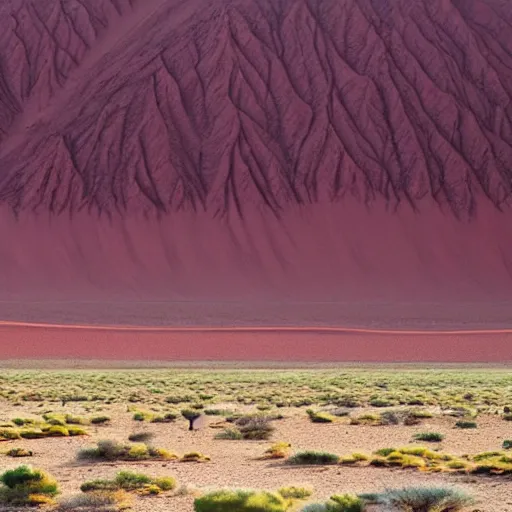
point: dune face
(314, 150)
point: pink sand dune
(255, 150)
(314, 344)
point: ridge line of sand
(320, 329)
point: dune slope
(333, 150)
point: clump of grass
(19, 452)
(295, 493)
(429, 437)
(100, 420)
(256, 428)
(168, 417)
(97, 501)
(110, 450)
(279, 450)
(9, 434)
(366, 419)
(355, 458)
(194, 457)
(507, 444)
(337, 503)
(130, 481)
(466, 424)
(313, 458)
(241, 501)
(422, 499)
(319, 417)
(380, 402)
(141, 437)
(507, 417)
(27, 486)
(218, 412)
(232, 434)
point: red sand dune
(306, 150)
(291, 344)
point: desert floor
(235, 464)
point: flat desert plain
(367, 409)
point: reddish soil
(252, 344)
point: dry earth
(233, 462)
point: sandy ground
(25, 341)
(233, 462)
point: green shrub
(110, 450)
(230, 433)
(33, 434)
(389, 418)
(240, 501)
(295, 493)
(429, 437)
(258, 428)
(507, 417)
(277, 451)
(194, 457)
(165, 483)
(57, 431)
(168, 417)
(380, 402)
(99, 485)
(466, 424)
(312, 457)
(337, 503)
(76, 431)
(100, 420)
(507, 444)
(347, 503)
(75, 420)
(19, 452)
(141, 437)
(27, 486)
(422, 499)
(129, 481)
(9, 434)
(319, 417)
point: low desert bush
(168, 417)
(27, 486)
(232, 434)
(141, 437)
(429, 437)
(9, 434)
(313, 458)
(258, 428)
(100, 420)
(129, 481)
(337, 503)
(279, 450)
(295, 493)
(241, 501)
(19, 452)
(466, 424)
(194, 457)
(97, 501)
(422, 499)
(507, 444)
(319, 417)
(110, 450)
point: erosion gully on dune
(290, 149)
